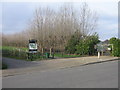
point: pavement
(101, 75)
(16, 67)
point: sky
(15, 16)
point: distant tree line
(67, 29)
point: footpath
(37, 66)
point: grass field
(12, 48)
(14, 52)
(22, 53)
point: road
(102, 75)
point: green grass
(12, 48)
(13, 52)
(66, 55)
(9, 51)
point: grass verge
(66, 55)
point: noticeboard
(33, 46)
(99, 48)
(102, 47)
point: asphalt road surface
(102, 75)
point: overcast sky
(16, 15)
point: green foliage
(82, 45)
(86, 45)
(13, 52)
(21, 53)
(74, 40)
(116, 46)
(82, 48)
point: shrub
(74, 40)
(116, 46)
(86, 45)
(82, 45)
(20, 53)
(14, 52)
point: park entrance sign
(33, 46)
(102, 47)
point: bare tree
(87, 20)
(53, 29)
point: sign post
(32, 48)
(99, 49)
(98, 54)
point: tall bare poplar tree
(53, 28)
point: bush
(116, 46)
(14, 52)
(82, 45)
(20, 53)
(74, 40)
(86, 45)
